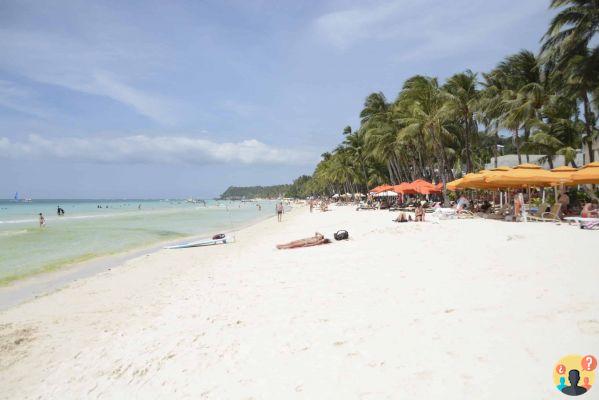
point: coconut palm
(462, 96)
(573, 26)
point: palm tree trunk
(495, 150)
(550, 161)
(444, 162)
(526, 136)
(516, 139)
(390, 171)
(467, 145)
(588, 125)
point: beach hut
(588, 174)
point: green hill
(252, 192)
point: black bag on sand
(341, 235)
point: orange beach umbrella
(405, 188)
(423, 187)
(381, 188)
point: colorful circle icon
(574, 375)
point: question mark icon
(560, 369)
(588, 363)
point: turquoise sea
(92, 228)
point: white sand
(468, 309)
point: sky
(163, 99)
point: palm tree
(424, 100)
(566, 43)
(574, 26)
(461, 101)
(582, 83)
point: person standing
(279, 211)
(564, 200)
(42, 221)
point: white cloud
(150, 149)
(422, 28)
(345, 27)
(20, 99)
(90, 68)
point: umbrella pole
(524, 216)
(543, 200)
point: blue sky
(175, 98)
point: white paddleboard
(203, 242)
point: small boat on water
(16, 199)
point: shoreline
(45, 281)
(455, 305)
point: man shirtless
(315, 240)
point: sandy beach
(454, 310)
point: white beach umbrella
(387, 193)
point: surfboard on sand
(216, 239)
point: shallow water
(87, 231)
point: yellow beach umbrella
(564, 174)
(524, 175)
(587, 174)
(479, 180)
(453, 185)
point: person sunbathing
(419, 214)
(315, 240)
(401, 218)
(589, 211)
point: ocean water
(87, 231)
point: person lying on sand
(401, 218)
(315, 240)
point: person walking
(279, 211)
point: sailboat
(18, 200)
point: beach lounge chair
(549, 216)
(584, 223)
(465, 214)
(537, 214)
(499, 213)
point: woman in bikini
(315, 240)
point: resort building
(511, 160)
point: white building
(511, 160)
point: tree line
(544, 103)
